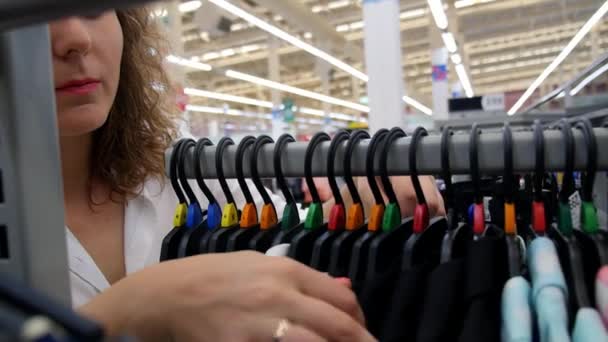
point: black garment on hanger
(443, 305)
(403, 318)
(486, 273)
(376, 294)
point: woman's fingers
(293, 333)
(325, 320)
(325, 288)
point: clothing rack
(32, 233)
(490, 156)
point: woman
(112, 136)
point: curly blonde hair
(129, 147)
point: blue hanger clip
(214, 216)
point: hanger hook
(419, 132)
(173, 171)
(376, 141)
(588, 178)
(314, 217)
(355, 138)
(589, 219)
(181, 170)
(478, 207)
(219, 164)
(198, 172)
(564, 216)
(394, 134)
(278, 171)
(507, 179)
(376, 213)
(568, 186)
(446, 172)
(255, 175)
(421, 213)
(539, 169)
(508, 182)
(312, 145)
(340, 137)
(245, 143)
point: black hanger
(567, 245)
(514, 242)
(589, 219)
(171, 241)
(592, 241)
(355, 226)
(249, 224)
(290, 222)
(424, 245)
(321, 250)
(230, 214)
(386, 248)
(269, 225)
(301, 245)
(214, 212)
(479, 224)
(190, 242)
(195, 213)
(458, 232)
(360, 253)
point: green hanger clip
(589, 220)
(564, 219)
(291, 217)
(391, 218)
(314, 218)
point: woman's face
(87, 53)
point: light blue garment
(516, 311)
(549, 291)
(589, 327)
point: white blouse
(148, 218)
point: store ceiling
(507, 43)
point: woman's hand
(230, 297)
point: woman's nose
(70, 37)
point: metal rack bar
(31, 215)
(429, 158)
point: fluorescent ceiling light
(424, 109)
(297, 91)
(227, 111)
(190, 6)
(441, 20)
(449, 41)
(588, 79)
(188, 63)
(227, 97)
(561, 95)
(561, 57)
(456, 59)
(415, 13)
(289, 38)
(464, 80)
(254, 102)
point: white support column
(173, 26)
(383, 57)
(323, 69)
(440, 76)
(274, 68)
(356, 91)
(274, 72)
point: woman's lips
(79, 87)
